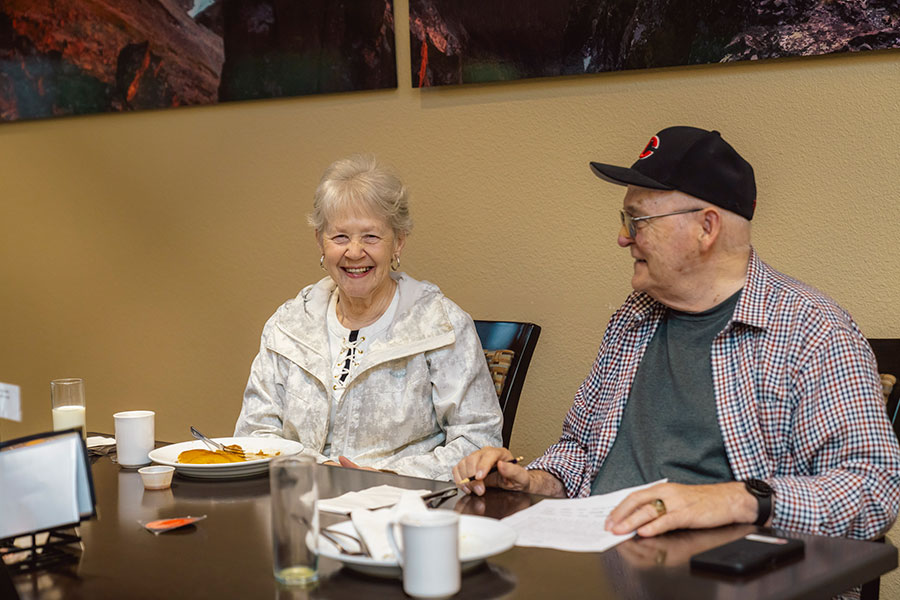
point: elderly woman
(368, 366)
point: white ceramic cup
(135, 433)
(430, 554)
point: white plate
(479, 538)
(168, 455)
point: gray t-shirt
(669, 427)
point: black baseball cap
(694, 161)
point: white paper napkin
(380, 496)
(372, 526)
(98, 440)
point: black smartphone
(751, 553)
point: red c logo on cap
(652, 145)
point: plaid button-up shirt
(798, 401)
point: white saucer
(479, 538)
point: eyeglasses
(628, 221)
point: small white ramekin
(157, 477)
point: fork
(330, 534)
(217, 445)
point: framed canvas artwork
(72, 57)
(453, 42)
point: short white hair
(359, 183)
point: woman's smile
(357, 272)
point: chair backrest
(887, 355)
(521, 338)
(7, 587)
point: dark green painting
(455, 41)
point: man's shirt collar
(750, 308)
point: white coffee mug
(135, 435)
(430, 554)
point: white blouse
(344, 353)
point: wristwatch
(763, 493)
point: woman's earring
(394, 267)
(322, 263)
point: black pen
(494, 468)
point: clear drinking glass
(67, 403)
(295, 519)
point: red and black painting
(72, 57)
(453, 41)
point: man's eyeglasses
(628, 221)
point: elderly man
(756, 396)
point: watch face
(758, 487)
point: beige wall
(145, 251)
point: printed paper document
(574, 524)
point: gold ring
(660, 507)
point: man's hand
(686, 507)
(477, 466)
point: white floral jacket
(420, 400)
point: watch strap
(763, 493)
(764, 510)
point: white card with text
(10, 402)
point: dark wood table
(228, 555)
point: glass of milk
(67, 399)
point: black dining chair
(520, 339)
(887, 355)
(7, 587)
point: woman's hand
(346, 462)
